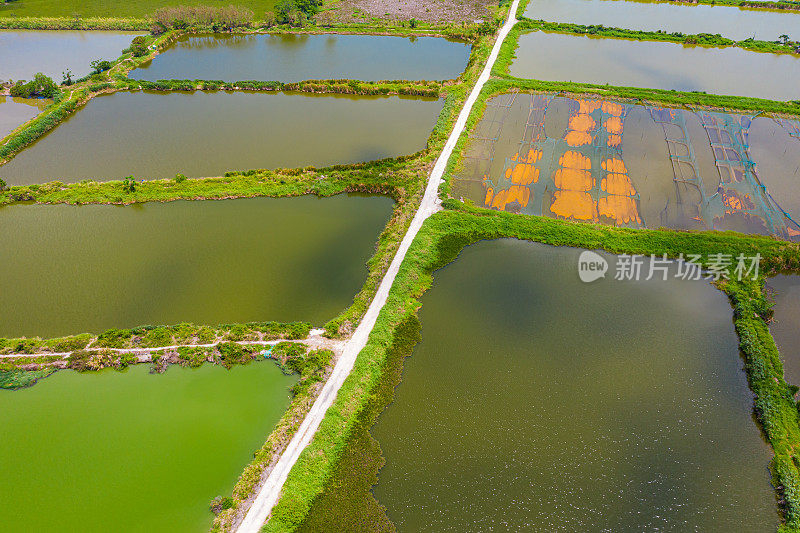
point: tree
(40, 87)
(100, 65)
(3, 185)
(784, 38)
(66, 77)
(295, 12)
(129, 184)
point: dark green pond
(657, 65)
(291, 57)
(785, 327)
(632, 165)
(536, 402)
(23, 53)
(16, 111)
(151, 135)
(730, 22)
(129, 451)
(90, 268)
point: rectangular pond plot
(785, 326)
(536, 402)
(151, 135)
(291, 58)
(146, 450)
(730, 22)
(630, 165)
(656, 65)
(23, 53)
(16, 111)
(74, 269)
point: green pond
(291, 57)
(89, 268)
(23, 53)
(130, 451)
(633, 165)
(15, 111)
(731, 22)
(785, 326)
(536, 402)
(151, 135)
(656, 65)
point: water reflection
(297, 57)
(634, 166)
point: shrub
(295, 12)
(40, 87)
(100, 65)
(129, 184)
(182, 17)
(180, 178)
(269, 19)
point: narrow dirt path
(269, 493)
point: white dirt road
(269, 493)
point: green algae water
(730, 22)
(89, 268)
(536, 402)
(291, 57)
(23, 53)
(785, 326)
(656, 65)
(129, 451)
(151, 135)
(16, 111)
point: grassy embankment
(701, 39)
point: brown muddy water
(156, 135)
(731, 22)
(657, 65)
(23, 53)
(293, 57)
(16, 111)
(635, 166)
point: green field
(115, 8)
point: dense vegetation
(40, 86)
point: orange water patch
(573, 159)
(612, 109)
(515, 193)
(614, 164)
(792, 232)
(582, 122)
(578, 138)
(589, 106)
(571, 179)
(524, 174)
(614, 140)
(613, 125)
(489, 195)
(573, 204)
(619, 184)
(620, 208)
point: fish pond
(130, 451)
(23, 53)
(656, 65)
(633, 165)
(731, 22)
(16, 111)
(785, 326)
(292, 57)
(88, 268)
(152, 135)
(537, 402)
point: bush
(296, 12)
(40, 87)
(269, 19)
(100, 65)
(183, 17)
